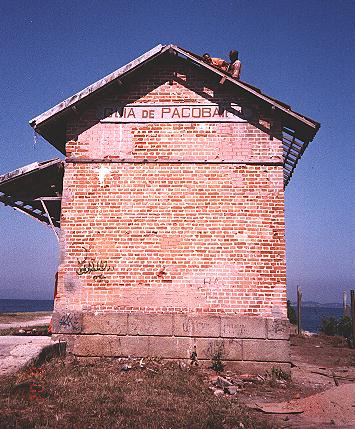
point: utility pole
(344, 303)
(346, 307)
(299, 301)
(352, 301)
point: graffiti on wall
(69, 321)
(97, 267)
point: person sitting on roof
(235, 65)
(216, 62)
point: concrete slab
(196, 326)
(278, 329)
(16, 351)
(108, 345)
(243, 327)
(150, 324)
(266, 350)
(105, 323)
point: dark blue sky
(301, 52)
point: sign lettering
(172, 113)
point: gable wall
(213, 141)
(172, 237)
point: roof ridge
(51, 123)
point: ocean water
(311, 316)
(25, 305)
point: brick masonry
(172, 234)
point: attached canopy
(297, 129)
(35, 190)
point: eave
(298, 130)
(35, 190)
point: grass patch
(66, 394)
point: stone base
(251, 344)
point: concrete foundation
(250, 344)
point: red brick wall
(173, 237)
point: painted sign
(131, 113)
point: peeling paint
(103, 171)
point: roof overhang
(298, 130)
(51, 124)
(35, 190)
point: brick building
(171, 212)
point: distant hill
(318, 304)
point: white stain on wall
(103, 171)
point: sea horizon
(12, 305)
(311, 316)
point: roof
(35, 190)
(298, 130)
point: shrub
(279, 374)
(216, 351)
(333, 326)
(217, 364)
(291, 314)
(329, 326)
(344, 327)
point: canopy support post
(50, 219)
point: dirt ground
(153, 394)
(119, 394)
(10, 318)
(322, 386)
(9, 322)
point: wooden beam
(48, 199)
(352, 303)
(169, 161)
(29, 211)
(299, 303)
(50, 219)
